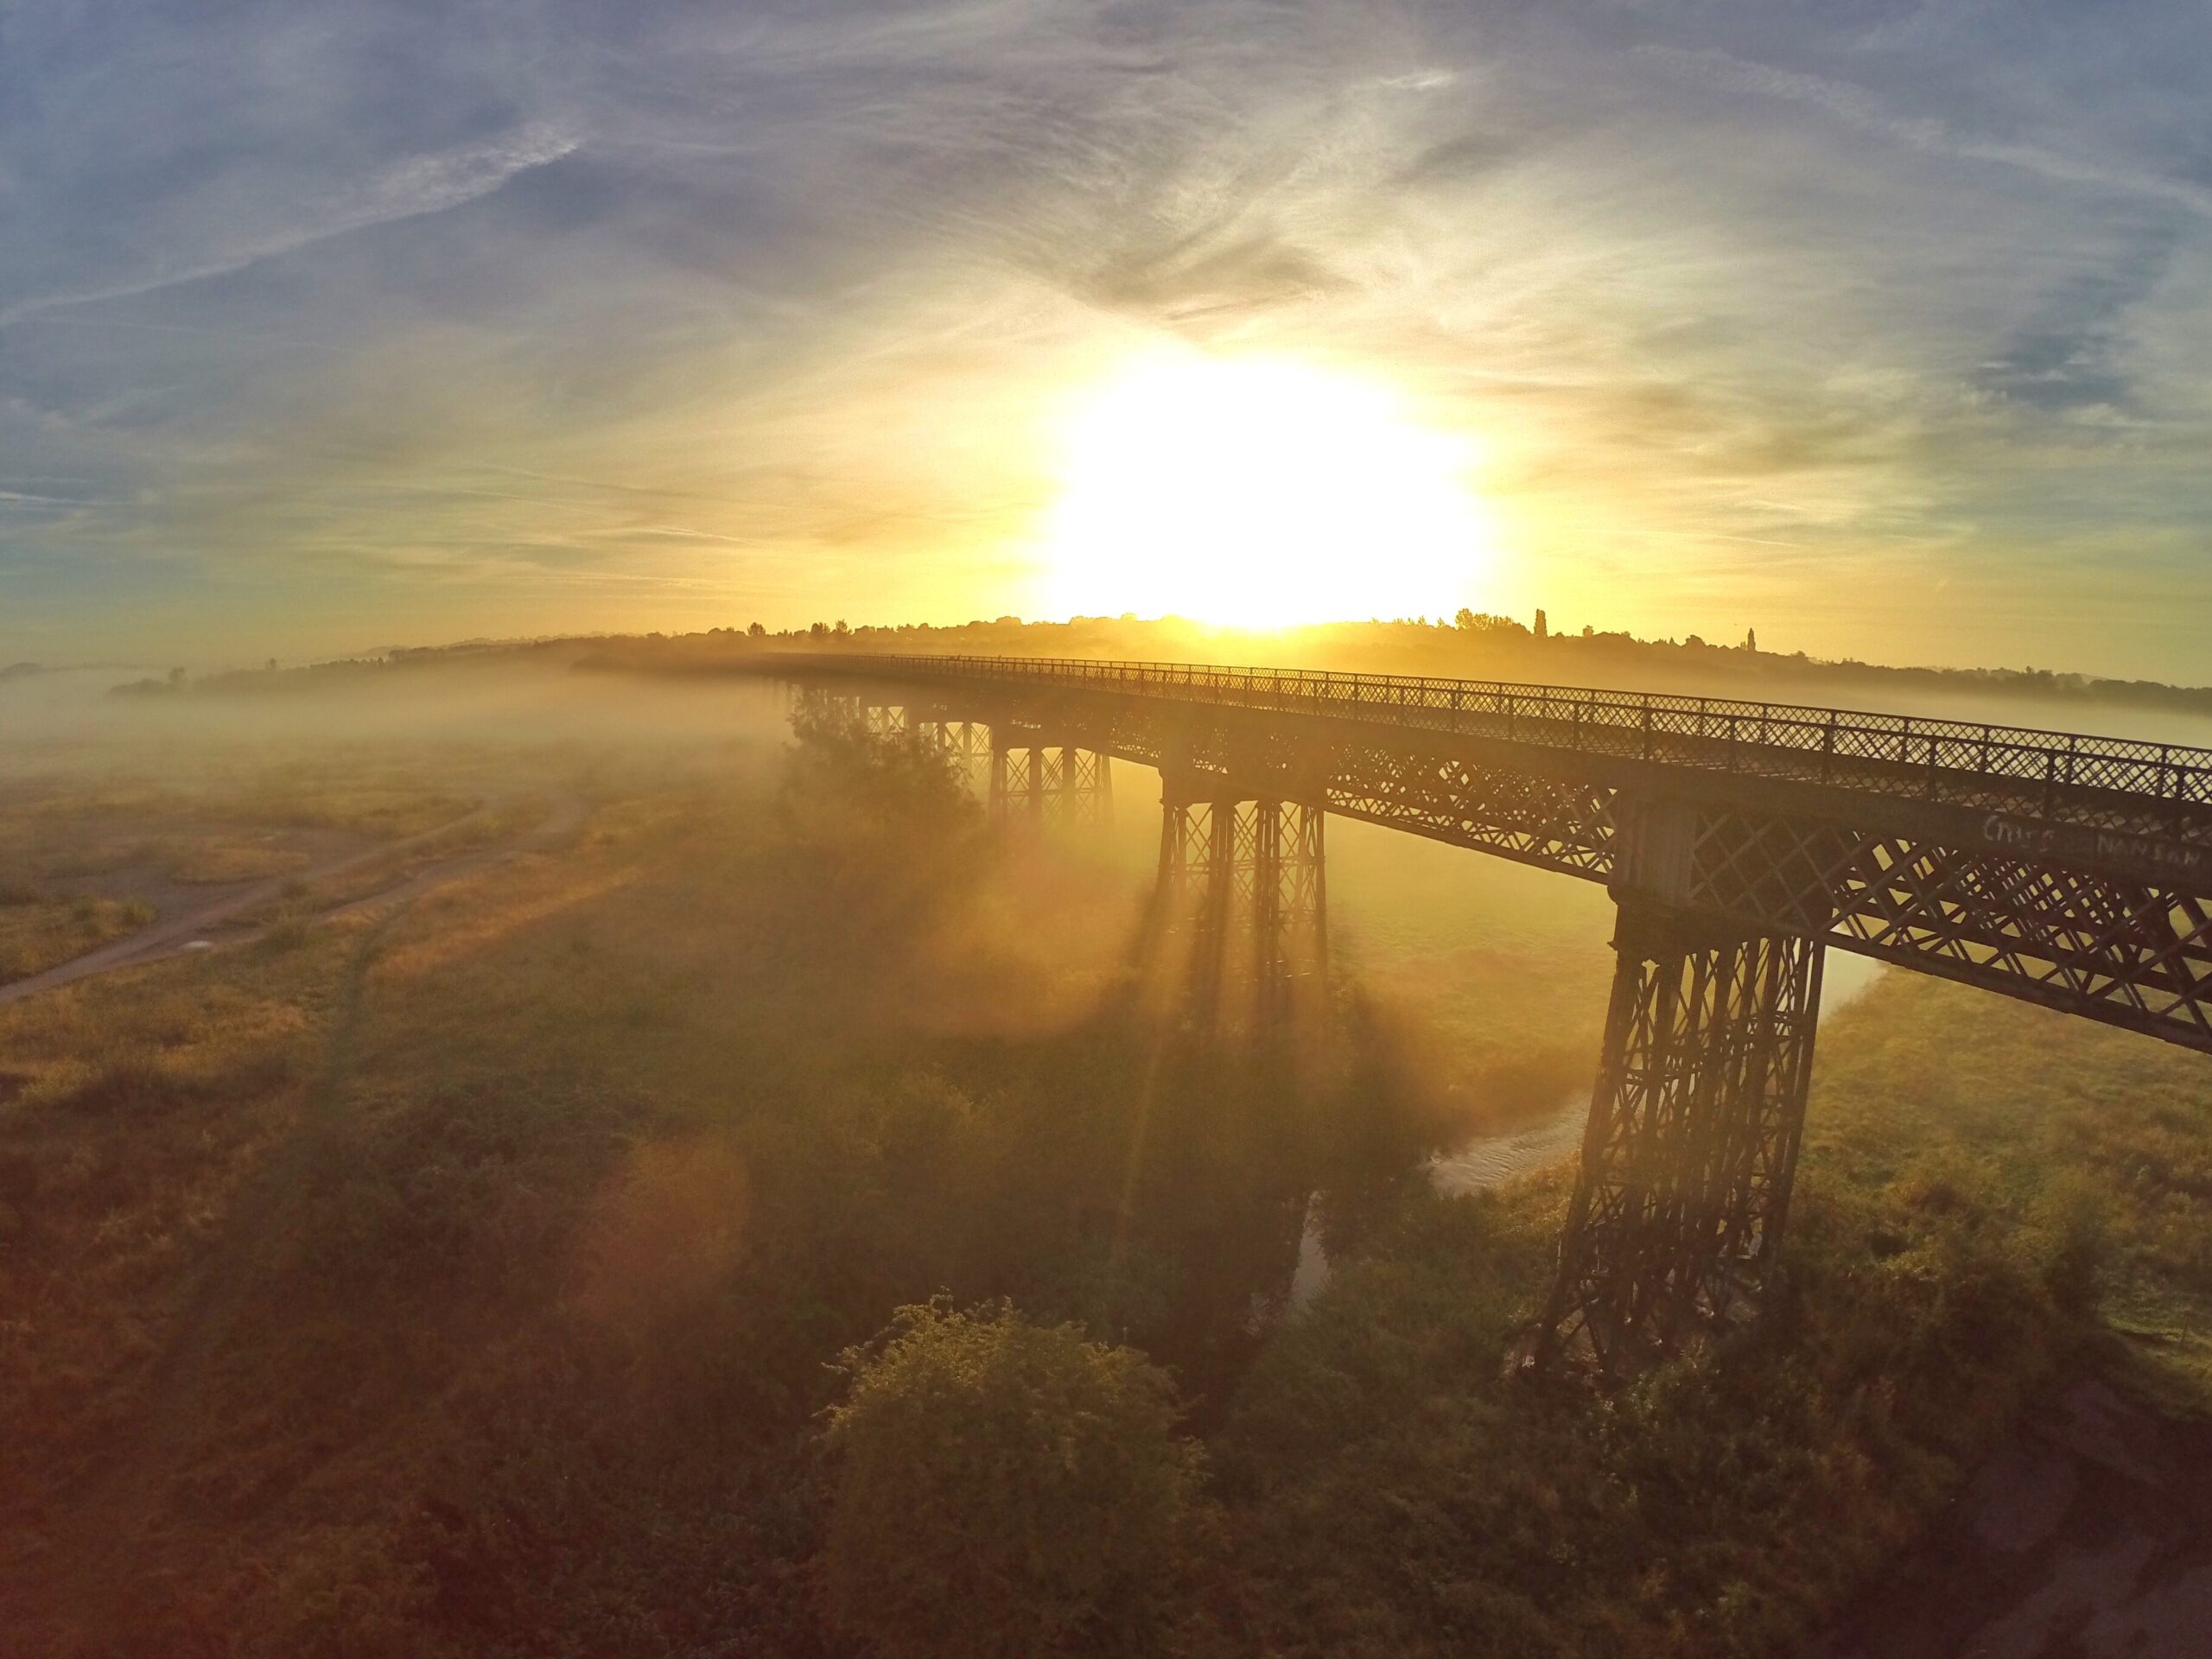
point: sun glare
(1260, 492)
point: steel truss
(2120, 784)
(966, 744)
(1246, 883)
(2129, 953)
(1998, 906)
(830, 704)
(1741, 840)
(1554, 823)
(1043, 782)
(1677, 1217)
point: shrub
(1006, 1488)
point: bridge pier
(965, 743)
(968, 747)
(1677, 1218)
(1245, 879)
(830, 704)
(1080, 787)
(1047, 782)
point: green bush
(1006, 1488)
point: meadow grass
(466, 1280)
(36, 932)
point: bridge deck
(2162, 791)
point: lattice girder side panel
(1551, 822)
(2025, 924)
(1533, 819)
(1679, 1210)
(1554, 823)
(2133, 788)
(2128, 953)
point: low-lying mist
(88, 717)
(456, 1256)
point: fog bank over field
(78, 718)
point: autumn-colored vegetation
(37, 931)
(518, 1271)
(1006, 1489)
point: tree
(757, 632)
(1005, 1489)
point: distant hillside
(1480, 647)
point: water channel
(1487, 1160)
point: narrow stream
(1487, 1160)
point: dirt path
(93, 1553)
(118, 1519)
(565, 817)
(173, 935)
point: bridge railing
(2095, 779)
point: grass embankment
(1990, 1195)
(91, 855)
(220, 859)
(383, 869)
(468, 1283)
(37, 931)
(377, 789)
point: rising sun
(1261, 492)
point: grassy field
(97, 850)
(1977, 1215)
(36, 932)
(466, 1277)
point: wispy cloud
(774, 308)
(1857, 107)
(408, 188)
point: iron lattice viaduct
(1740, 840)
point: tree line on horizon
(1472, 644)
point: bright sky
(1886, 329)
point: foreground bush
(1005, 1488)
